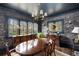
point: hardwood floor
(58, 53)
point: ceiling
(50, 8)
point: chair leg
(45, 52)
(54, 53)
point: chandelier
(39, 16)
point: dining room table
(31, 47)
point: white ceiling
(35, 7)
(27, 7)
(50, 8)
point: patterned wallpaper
(4, 13)
(2, 31)
(71, 20)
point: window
(13, 25)
(16, 27)
(35, 30)
(30, 27)
(23, 28)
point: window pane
(30, 27)
(13, 27)
(16, 27)
(23, 28)
(10, 27)
(35, 27)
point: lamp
(76, 30)
(39, 16)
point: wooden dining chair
(28, 37)
(50, 46)
(33, 37)
(48, 49)
(16, 40)
(10, 52)
(23, 39)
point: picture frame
(56, 26)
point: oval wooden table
(30, 47)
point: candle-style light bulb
(32, 15)
(41, 11)
(45, 14)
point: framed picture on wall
(56, 26)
